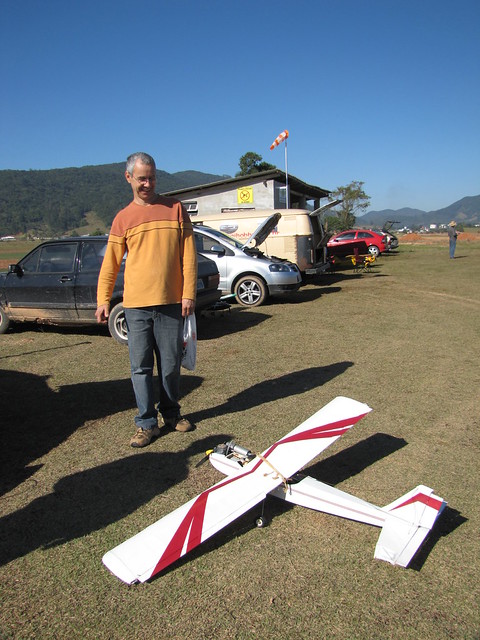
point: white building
(263, 190)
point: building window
(191, 207)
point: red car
(345, 243)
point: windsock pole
(282, 137)
(287, 191)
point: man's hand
(101, 313)
(188, 307)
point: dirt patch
(436, 238)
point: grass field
(404, 339)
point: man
(159, 290)
(452, 238)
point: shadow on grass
(35, 351)
(40, 419)
(355, 459)
(211, 325)
(90, 500)
(290, 384)
(340, 273)
(35, 419)
(309, 295)
(449, 520)
(92, 329)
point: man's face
(142, 181)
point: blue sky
(382, 91)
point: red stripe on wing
(191, 528)
(330, 430)
(429, 501)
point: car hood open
(263, 230)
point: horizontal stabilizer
(408, 522)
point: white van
(298, 237)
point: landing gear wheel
(260, 522)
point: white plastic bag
(189, 354)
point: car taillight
(213, 281)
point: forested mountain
(55, 201)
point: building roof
(294, 183)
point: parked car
(56, 283)
(345, 243)
(392, 238)
(244, 270)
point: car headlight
(280, 267)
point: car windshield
(224, 238)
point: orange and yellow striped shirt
(161, 264)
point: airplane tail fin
(408, 522)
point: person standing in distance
(452, 237)
(159, 290)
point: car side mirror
(218, 249)
(15, 268)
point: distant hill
(56, 201)
(465, 211)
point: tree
(354, 199)
(251, 162)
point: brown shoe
(183, 425)
(143, 437)
(179, 424)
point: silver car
(245, 272)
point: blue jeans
(453, 242)
(155, 332)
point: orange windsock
(279, 139)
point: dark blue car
(56, 283)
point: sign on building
(245, 195)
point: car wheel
(117, 325)
(4, 321)
(373, 250)
(251, 291)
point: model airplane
(250, 478)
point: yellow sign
(245, 195)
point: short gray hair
(144, 159)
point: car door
(208, 246)
(89, 262)
(42, 284)
(344, 238)
(365, 235)
(342, 244)
(368, 238)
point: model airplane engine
(233, 450)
